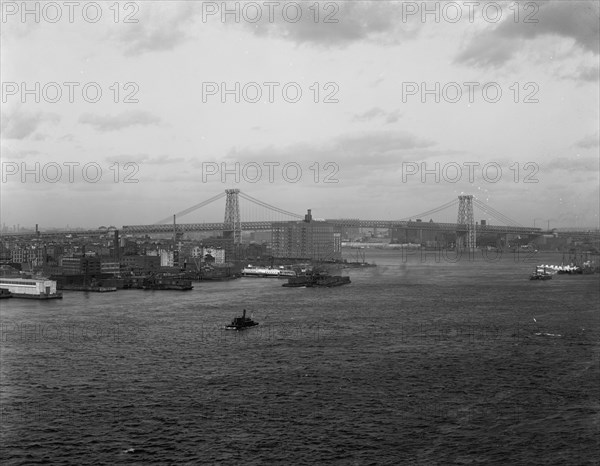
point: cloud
(588, 142)
(495, 45)
(571, 165)
(337, 23)
(488, 50)
(160, 27)
(145, 159)
(588, 73)
(9, 153)
(355, 159)
(376, 113)
(120, 121)
(67, 137)
(377, 144)
(393, 117)
(358, 155)
(23, 125)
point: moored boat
(167, 283)
(317, 279)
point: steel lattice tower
(232, 226)
(465, 217)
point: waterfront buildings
(208, 254)
(141, 263)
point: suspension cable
(496, 214)
(191, 209)
(268, 206)
(433, 211)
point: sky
(127, 113)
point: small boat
(541, 273)
(241, 323)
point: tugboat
(241, 323)
(540, 274)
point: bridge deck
(191, 227)
(249, 226)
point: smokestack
(117, 246)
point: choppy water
(413, 363)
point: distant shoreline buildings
(80, 258)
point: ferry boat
(241, 323)
(267, 272)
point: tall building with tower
(308, 239)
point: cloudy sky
(374, 110)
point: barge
(317, 279)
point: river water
(421, 360)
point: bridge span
(342, 223)
(270, 216)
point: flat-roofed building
(112, 268)
(142, 263)
(89, 266)
(308, 239)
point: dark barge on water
(241, 323)
(158, 282)
(317, 279)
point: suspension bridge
(246, 213)
(232, 226)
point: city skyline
(375, 144)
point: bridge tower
(232, 226)
(465, 217)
